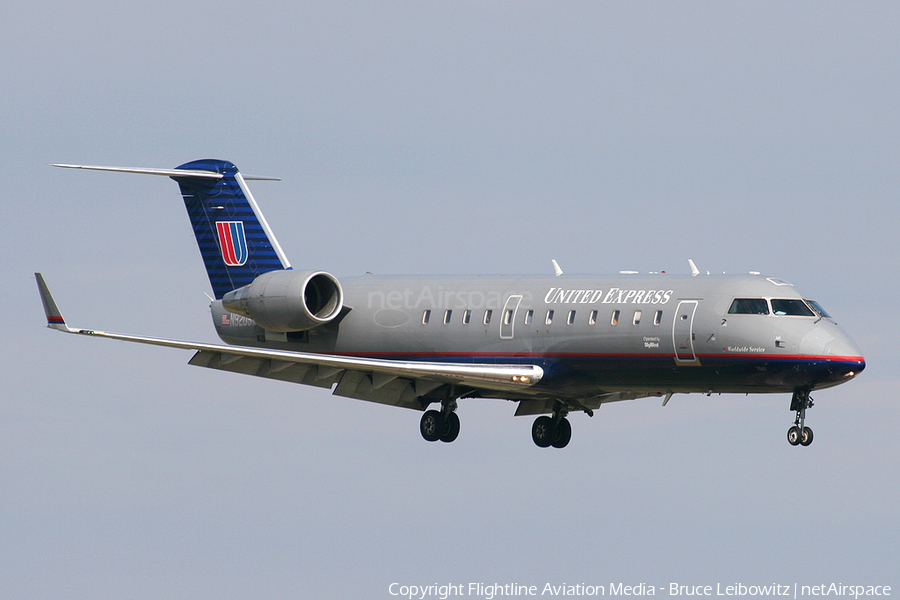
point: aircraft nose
(828, 341)
(847, 353)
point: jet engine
(288, 300)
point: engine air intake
(288, 300)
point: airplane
(554, 344)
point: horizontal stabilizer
(165, 172)
(235, 241)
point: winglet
(54, 316)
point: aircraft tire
(806, 436)
(432, 425)
(451, 428)
(542, 432)
(794, 436)
(563, 434)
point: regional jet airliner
(552, 344)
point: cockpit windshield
(780, 307)
(791, 307)
(818, 308)
(749, 306)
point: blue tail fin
(235, 241)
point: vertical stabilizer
(234, 239)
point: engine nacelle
(288, 300)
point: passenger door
(683, 333)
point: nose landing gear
(799, 434)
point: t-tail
(235, 241)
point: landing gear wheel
(542, 432)
(806, 436)
(800, 434)
(563, 434)
(451, 427)
(432, 425)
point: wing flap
(263, 367)
(359, 384)
(397, 392)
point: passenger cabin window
(592, 320)
(467, 316)
(657, 318)
(487, 316)
(791, 308)
(571, 318)
(637, 318)
(447, 314)
(614, 319)
(425, 317)
(749, 306)
(507, 317)
(549, 318)
(529, 315)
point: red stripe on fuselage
(584, 355)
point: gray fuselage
(633, 335)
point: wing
(394, 382)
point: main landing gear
(440, 424)
(799, 434)
(553, 431)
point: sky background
(447, 138)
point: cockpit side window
(818, 308)
(791, 308)
(749, 306)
